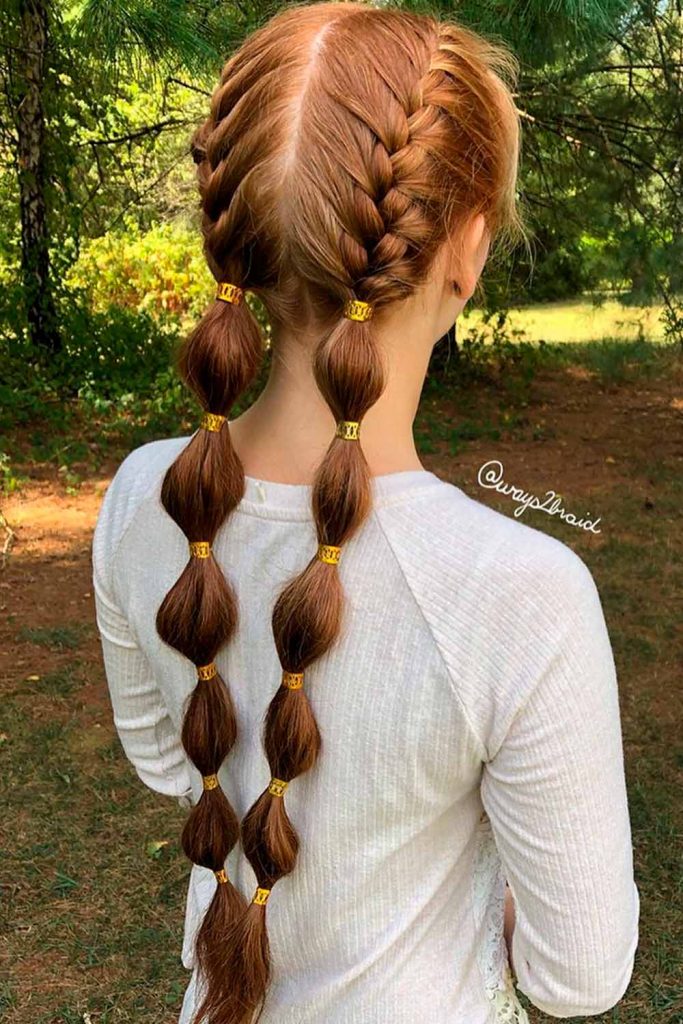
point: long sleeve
(148, 735)
(556, 796)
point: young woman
(380, 700)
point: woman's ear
(473, 249)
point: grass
(57, 638)
(579, 321)
(92, 919)
(613, 360)
(60, 683)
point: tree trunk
(30, 124)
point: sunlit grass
(578, 320)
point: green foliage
(111, 386)
(497, 355)
(538, 31)
(162, 30)
(108, 354)
(9, 480)
(568, 263)
(158, 272)
(492, 352)
(129, 395)
(613, 360)
(126, 81)
(673, 322)
(115, 351)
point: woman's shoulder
(143, 465)
(473, 568)
(500, 599)
(452, 534)
(137, 477)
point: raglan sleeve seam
(449, 675)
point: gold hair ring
(261, 896)
(221, 875)
(293, 680)
(348, 430)
(210, 781)
(277, 787)
(328, 553)
(212, 421)
(357, 310)
(206, 672)
(229, 293)
(200, 548)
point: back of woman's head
(345, 145)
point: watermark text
(491, 476)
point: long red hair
(345, 144)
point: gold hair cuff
(348, 430)
(357, 310)
(206, 672)
(200, 548)
(293, 680)
(328, 553)
(229, 293)
(210, 781)
(277, 787)
(261, 896)
(212, 421)
(221, 875)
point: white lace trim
(488, 898)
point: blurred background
(568, 371)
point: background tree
(27, 30)
(67, 73)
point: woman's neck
(283, 436)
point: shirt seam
(456, 694)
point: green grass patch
(60, 683)
(57, 638)
(99, 921)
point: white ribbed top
(470, 735)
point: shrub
(160, 272)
